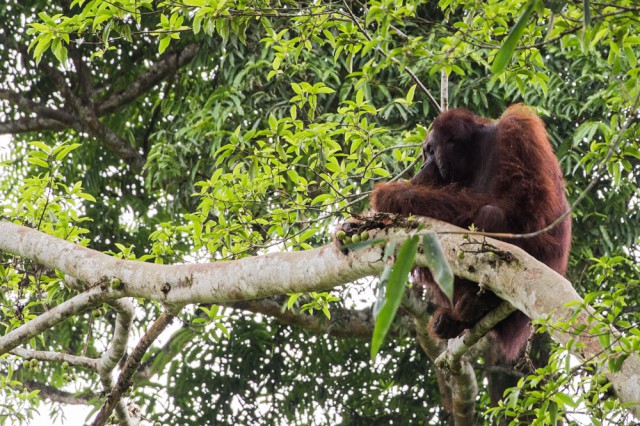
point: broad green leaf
(411, 93)
(43, 146)
(292, 300)
(86, 196)
(197, 22)
(509, 46)
(320, 198)
(438, 263)
(394, 292)
(42, 46)
(164, 43)
(38, 162)
(587, 13)
(66, 150)
(565, 399)
(553, 413)
(389, 250)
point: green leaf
(326, 312)
(293, 175)
(292, 300)
(59, 51)
(389, 250)
(197, 23)
(66, 150)
(394, 292)
(43, 43)
(273, 123)
(38, 162)
(324, 89)
(43, 146)
(438, 264)
(411, 93)
(320, 198)
(553, 413)
(164, 43)
(587, 13)
(509, 46)
(564, 399)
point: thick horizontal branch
(245, 279)
(512, 274)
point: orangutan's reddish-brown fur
(500, 176)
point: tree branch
(463, 383)
(432, 347)
(120, 147)
(57, 395)
(30, 124)
(118, 345)
(508, 271)
(343, 322)
(45, 112)
(52, 317)
(49, 356)
(451, 359)
(87, 119)
(131, 366)
(464, 389)
(169, 63)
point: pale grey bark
(115, 351)
(451, 359)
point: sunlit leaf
(509, 45)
